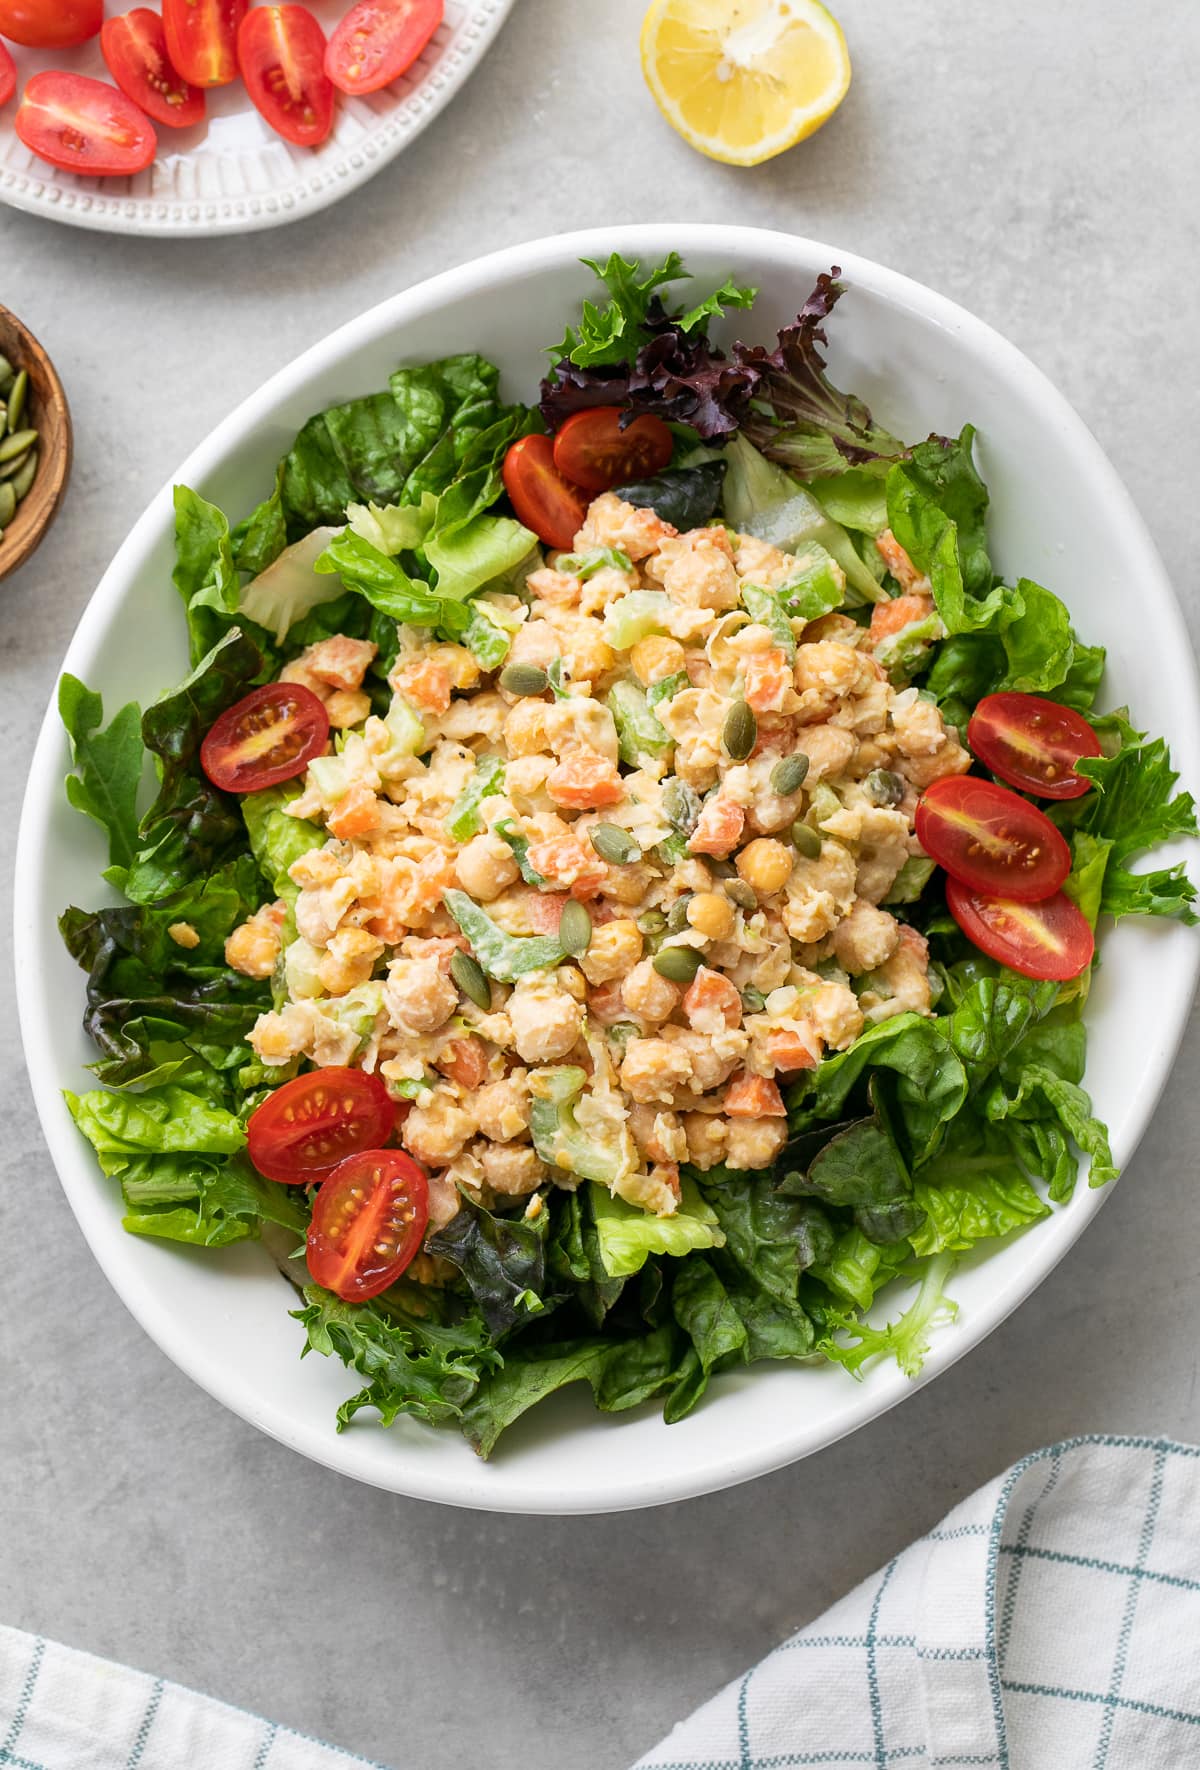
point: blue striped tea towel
(1051, 1622)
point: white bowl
(1059, 514)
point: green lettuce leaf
(627, 1237)
(1134, 806)
(502, 1259)
(107, 766)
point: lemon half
(744, 79)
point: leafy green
(204, 573)
(502, 1259)
(907, 1338)
(628, 1236)
(615, 331)
(107, 765)
(277, 839)
(704, 1310)
(1133, 807)
(769, 1239)
(686, 497)
(289, 588)
(763, 499)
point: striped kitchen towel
(1051, 1622)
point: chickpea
(766, 865)
(647, 995)
(655, 658)
(436, 1130)
(486, 867)
(711, 915)
(653, 1070)
(570, 980)
(526, 729)
(616, 948)
(502, 1108)
(512, 1169)
(347, 707)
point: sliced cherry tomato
(50, 24)
(1049, 940)
(269, 736)
(8, 75)
(543, 500)
(281, 52)
(84, 126)
(592, 451)
(1033, 743)
(305, 1128)
(202, 38)
(134, 47)
(991, 839)
(369, 1219)
(378, 40)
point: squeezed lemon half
(741, 80)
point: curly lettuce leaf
(614, 332)
(106, 767)
(907, 1338)
(1133, 807)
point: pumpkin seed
(652, 922)
(575, 929)
(8, 502)
(807, 840)
(16, 444)
(884, 787)
(614, 844)
(8, 469)
(740, 732)
(7, 374)
(25, 475)
(788, 776)
(753, 1000)
(467, 973)
(743, 895)
(524, 679)
(16, 400)
(677, 914)
(678, 964)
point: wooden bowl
(46, 410)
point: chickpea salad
(620, 886)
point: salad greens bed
(925, 1138)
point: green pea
(16, 400)
(614, 844)
(524, 679)
(467, 973)
(807, 840)
(788, 776)
(740, 732)
(678, 964)
(743, 895)
(575, 929)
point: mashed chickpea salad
(621, 883)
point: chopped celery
(634, 616)
(638, 732)
(503, 956)
(465, 820)
(765, 608)
(557, 1136)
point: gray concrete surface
(1033, 160)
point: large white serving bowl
(1059, 514)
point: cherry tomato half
(305, 1128)
(8, 75)
(50, 24)
(592, 451)
(84, 125)
(281, 52)
(202, 38)
(378, 40)
(1033, 743)
(991, 839)
(271, 735)
(134, 47)
(543, 500)
(369, 1219)
(1050, 940)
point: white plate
(1059, 514)
(231, 174)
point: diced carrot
(899, 563)
(605, 1004)
(787, 1050)
(583, 782)
(564, 861)
(340, 661)
(889, 617)
(464, 1061)
(356, 814)
(718, 829)
(753, 1097)
(709, 994)
(768, 678)
(426, 683)
(544, 909)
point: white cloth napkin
(1051, 1622)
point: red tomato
(202, 38)
(50, 24)
(543, 500)
(134, 47)
(305, 1128)
(8, 75)
(378, 40)
(594, 452)
(84, 125)
(368, 1220)
(271, 735)
(281, 52)
(991, 839)
(1033, 743)
(1050, 940)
